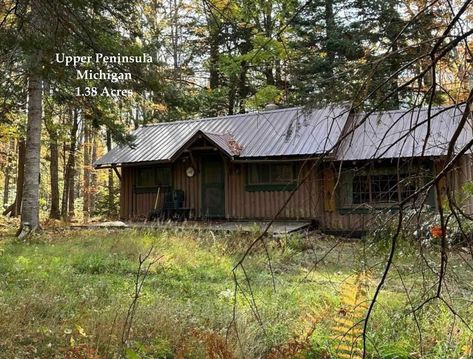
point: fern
(467, 350)
(348, 323)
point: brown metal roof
(299, 132)
(282, 132)
(403, 133)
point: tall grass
(65, 294)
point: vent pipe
(271, 106)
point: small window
(146, 177)
(153, 177)
(271, 176)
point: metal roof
(282, 132)
(402, 133)
(225, 142)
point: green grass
(71, 289)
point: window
(270, 176)
(153, 177)
(380, 188)
(361, 189)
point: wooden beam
(117, 173)
(203, 148)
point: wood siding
(239, 204)
(304, 204)
(313, 200)
(455, 181)
(134, 206)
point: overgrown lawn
(66, 293)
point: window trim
(279, 187)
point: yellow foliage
(225, 7)
(467, 351)
(347, 327)
(160, 107)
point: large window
(270, 177)
(387, 188)
(150, 178)
(382, 187)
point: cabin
(330, 165)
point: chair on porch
(173, 208)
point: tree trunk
(330, 29)
(111, 190)
(71, 212)
(93, 175)
(6, 185)
(30, 201)
(214, 38)
(86, 166)
(15, 208)
(67, 209)
(54, 174)
(243, 89)
(65, 189)
(232, 91)
(268, 73)
(7, 174)
(53, 156)
(20, 179)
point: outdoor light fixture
(190, 171)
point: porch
(276, 228)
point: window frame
(345, 195)
(144, 188)
(290, 185)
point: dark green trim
(347, 210)
(270, 187)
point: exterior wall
(456, 180)
(331, 218)
(306, 202)
(126, 192)
(315, 199)
(352, 222)
(135, 205)
(361, 217)
(464, 175)
(190, 185)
